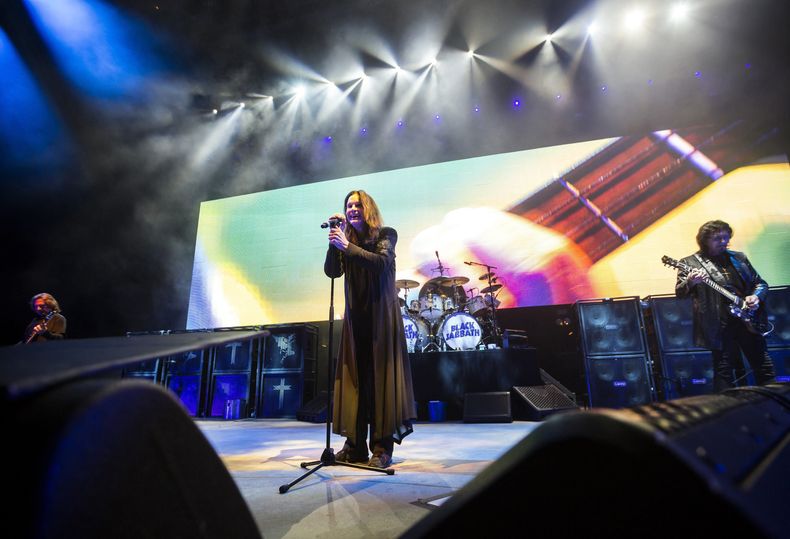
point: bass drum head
(416, 331)
(460, 331)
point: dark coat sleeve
(56, 328)
(381, 258)
(333, 263)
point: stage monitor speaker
(778, 306)
(781, 361)
(535, 403)
(489, 407)
(611, 326)
(705, 466)
(315, 411)
(116, 459)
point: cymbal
(492, 288)
(406, 283)
(455, 281)
(486, 276)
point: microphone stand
(328, 456)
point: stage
(432, 463)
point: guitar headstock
(672, 263)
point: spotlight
(516, 103)
(328, 139)
(698, 74)
(558, 97)
(592, 29)
(603, 88)
(679, 11)
(477, 108)
(400, 123)
(299, 91)
(363, 131)
(548, 37)
(470, 53)
(634, 20)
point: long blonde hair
(370, 214)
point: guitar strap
(712, 269)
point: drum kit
(445, 317)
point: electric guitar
(43, 329)
(738, 308)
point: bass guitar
(738, 308)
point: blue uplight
(104, 53)
(363, 131)
(517, 103)
(400, 123)
(328, 139)
(477, 108)
(604, 88)
(698, 74)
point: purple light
(748, 65)
(698, 74)
(603, 88)
(477, 109)
(516, 103)
(650, 82)
(328, 139)
(558, 97)
(363, 131)
(400, 123)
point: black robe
(372, 333)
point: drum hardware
(405, 285)
(490, 301)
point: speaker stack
(685, 369)
(617, 362)
(288, 373)
(778, 305)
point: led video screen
(553, 225)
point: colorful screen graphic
(578, 221)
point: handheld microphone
(332, 222)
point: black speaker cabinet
(288, 373)
(687, 373)
(781, 361)
(490, 407)
(185, 375)
(720, 464)
(233, 377)
(150, 370)
(619, 381)
(611, 326)
(778, 306)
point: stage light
(592, 28)
(363, 131)
(298, 91)
(634, 20)
(698, 74)
(679, 12)
(470, 53)
(400, 123)
(516, 103)
(547, 38)
(603, 88)
(558, 97)
(477, 109)
(328, 139)
(748, 65)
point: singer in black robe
(373, 384)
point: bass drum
(460, 331)
(416, 330)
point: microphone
(331, 222)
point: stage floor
(338, 501)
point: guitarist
(715, 327)
(48, 324)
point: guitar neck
(721, 290)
